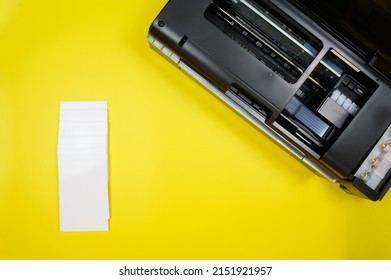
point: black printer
(314, 75)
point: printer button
(352, 85)
(346, 80)
(359, 90)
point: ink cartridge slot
(329, 99)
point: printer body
(319, 88)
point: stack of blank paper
(83, 166)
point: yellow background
(189, 179)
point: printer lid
(362, 25)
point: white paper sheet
(83, 166)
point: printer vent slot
(250, 101)
(183, 41)
(266, 33)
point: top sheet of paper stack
(83, 166)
